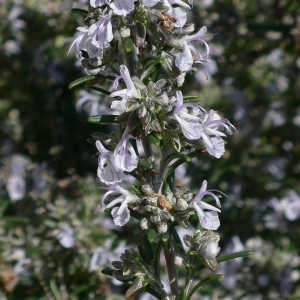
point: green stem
(148, 156)
(172, 273)
(198, 285)
(157, 259)
(175, 165)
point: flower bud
(155, 219)
(145, 224)
(163, 99)
(124, 32)
(142, 110)
(147, 189)
(210, 250)
(152, 200)
(178, 259)
(94, 71)
(165, 215)
(162, 227)
(152, 209)
(187, 196)
(181, 204)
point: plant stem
(172, 273)
(148, 155)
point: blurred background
(54, 240)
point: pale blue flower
(190, 54)
(125, 156)
(125, 94)
(108, 171)
(215, 145)
(190, 124)
(119, 7)
(176, 12)
(121, 215)
(101, 31)
(208, 219)
(66, 236)
(84, 41)
(16, 187)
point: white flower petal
(16, 188)
(184, 60)
(120, 219)
(180, 15)
(122, 7)
(109, 174)
(97, 3)
(92, 50)
(129, 161)
(218, 148)
(179, 2)
(191, 130)
(119, 106)
(210, 220)
(150, 3)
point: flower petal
(120, 219)
(218, 147)
(184, 60)
(122, 7)
(210, 220)
(191, 130)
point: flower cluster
(159, 210)
(118, 44)
(135, 52)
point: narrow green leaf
(169, 183)
(80, 11)
(148, 248)
(91, 141)
(154, 140)
(148, 72)
(191, 99)
(210, 199)
(55, 290)
(177, 238)
(79, 290)
(234, 255)
(158, 135)
(143, 253)
(182, 295)
(177, 155)
(108, 272)
(145, 164)
(4, 204)
(135, 189)
(94, 88)
(14, 220)
(198, 285)
(80, 81)
(157, 258)
(149, 289)
(103, 119)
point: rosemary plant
(138, 53)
